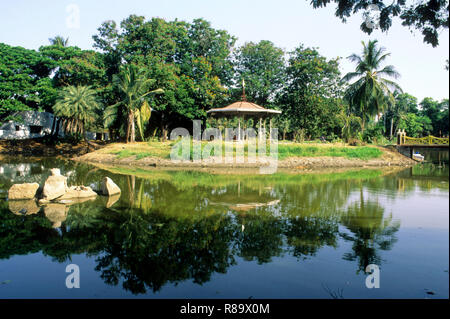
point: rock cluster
(55, 195)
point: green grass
(299, 150)
(285, 150)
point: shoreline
(389, 158)
(142, 171)
(101, 154)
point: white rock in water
(23, 191)
(109, 187)
(55, 172)
(78, 192)
(55, 186)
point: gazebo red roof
(243, 107)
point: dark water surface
(181, 234)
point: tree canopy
(198, 68)
(429, 16)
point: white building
(33, 125)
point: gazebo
(242, 109)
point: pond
(193, 234)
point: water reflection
(371, 231)
(169, 227)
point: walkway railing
(402, 139)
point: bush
(373, 133)
(72, 138)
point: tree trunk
(163, 129)
(133, 129)
(392, 127)
(130, 118)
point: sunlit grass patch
(300, 150)
(285, 150)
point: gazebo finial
(244, 98)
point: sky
(287, 23)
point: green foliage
(59, 41)
(415, 125)
(133, 85)
(77, 106)
(374, 133)
(437, 112)
(371, 94)
(262, 66)
(310, 98)
(22, 74)
(189, 60)
(195, 65)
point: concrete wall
(22, 130)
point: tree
(350, 124)
(437, 112)
(262, 66)
(77, 105)
(311, 97)
(74, 66)
(404, 103)
(134, 88)
(428, 16)
(415, 125)
(24, 76)
(59, 41)
(189, 60)
(371, 93)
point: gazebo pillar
(264, 126)
(244, 126)
(270, 129)
(239, 128)
(260, 129)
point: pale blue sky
(286, 23)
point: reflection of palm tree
(371, 232)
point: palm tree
(349, 121)
(59, 40)
(133, 86)
(77, 107)
(370, 94)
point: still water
(191, 234)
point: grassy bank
(285, 150)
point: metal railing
(402, 139)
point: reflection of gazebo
(242, 109)
(245, 199)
